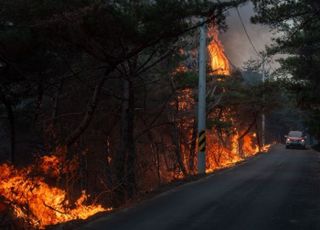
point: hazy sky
(235, 41)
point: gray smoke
(235, 41)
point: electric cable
(264, 59)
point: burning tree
(233, 133)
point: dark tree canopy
(298, 27)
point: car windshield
(295, 134)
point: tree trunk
(91, 107)
(120, 158)
(176, 142)
(56, 102)
(193, 146)
(131, 159)
(249, 127)
(126, 158)
(158, 166)
(11, 119)
(258, 137)
(12, 133)
(39, 98)
(155, 151)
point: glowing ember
(50, 165)
(235, 144)
(180, 69)
(39, 204)
(185, 100)
(219, 62)
(265, 148)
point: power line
(246, 32)
(250, 40)
(264, 59)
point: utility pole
(263, 117)
(202, 101)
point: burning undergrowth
(37, 204)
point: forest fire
(28, 193)
(219, 62)
(30, 198)
(226, 150)
(220, 156)
(106, 104)
(225, 147)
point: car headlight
(288, 140)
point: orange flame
(266, 148)
(219, 156)
(39, 204)
(249, 148)
(50, 165)
(218, 60)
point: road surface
(276, 190)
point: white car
(296, 139)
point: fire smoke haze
(235, 41)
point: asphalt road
(276, 190)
